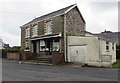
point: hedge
(118, 53)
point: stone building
(64, 32)
(48, 33)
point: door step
(42, 59)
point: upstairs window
(107, 46)
(27, 32)
(35, 31)
(48, 28)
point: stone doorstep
(48, 64)
(35, 63)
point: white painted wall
(92, 48)
(95, 48)
(110, 51)
(1, 44)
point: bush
(14, 48)
(118, 53)
(117, 65)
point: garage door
(77, 53)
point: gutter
(70, 8)
(59, 35)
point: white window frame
(27, 32)
(35, 31)
(42, 43)
(48, 28)
(113, 46)
(56, 45)
(27, 44)
(107, 45)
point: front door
(49, 43)
(34, 47)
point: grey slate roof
(58, 12)
(111, 36)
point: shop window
(56, 44)
(42, 45)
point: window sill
(34, 35)
(47, 33)
(26, 50)
(27, 37)
(107, 51)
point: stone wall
(27, 55)
(23, 38)
(75, 25)
(57, 58)
(13, 55)
(20, 56)
(57, 27)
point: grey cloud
(103, 6)
(19, 13)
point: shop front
(46, 46)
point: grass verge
(117, 65)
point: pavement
(16, 71)
(25, 62)
(40, 63)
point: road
(29, 72)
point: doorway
(77, 53)
(34, 47)
(49, 44)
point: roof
(111, 36)
(89, 32)
(55, 13)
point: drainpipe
(99, 50)
(65, 38)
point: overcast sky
(14, 13)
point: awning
(59, 35)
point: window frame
(27, 32)
(48, 28)
(42, 46)
(27, 44)
(58, 41)
(51, 46)
(107, 46)
(113, 46)
(35, 31)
